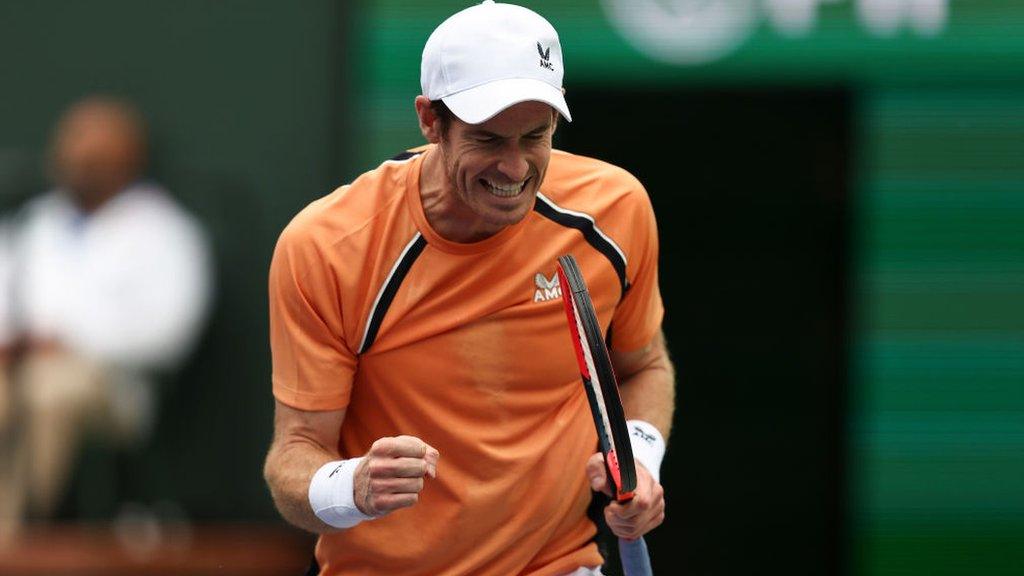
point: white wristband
(648, 446)
(332, 494)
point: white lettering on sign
(684, 31)
(886, 18)
(691, 32)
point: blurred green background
(840, 190)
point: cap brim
(481, 103)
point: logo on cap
(545, 57)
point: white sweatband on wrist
(332, 494)
(648, 446)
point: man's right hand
(391, 474)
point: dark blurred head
(99, 147)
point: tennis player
(429, 413)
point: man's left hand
(633, 519)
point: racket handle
(635, 559)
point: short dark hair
(444, 115)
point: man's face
(494, 169)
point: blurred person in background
(105, 283)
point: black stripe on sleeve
(586, 226)
(390, 288)
(405, 156)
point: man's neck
(444, 210)
(90, 202)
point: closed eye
(484, 137)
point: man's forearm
(647, 387)
(288, 470)
(650, 395)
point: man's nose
(513, 164)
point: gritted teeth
(505, 190)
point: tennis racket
(605, 405)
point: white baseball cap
(488, 57)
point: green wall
(938, 431)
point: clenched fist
(391, 474)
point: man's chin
(510, 215)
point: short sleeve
(313, 366)
(638, 315)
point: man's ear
(557, 114)
(430, 124)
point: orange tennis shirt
(466, 347)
